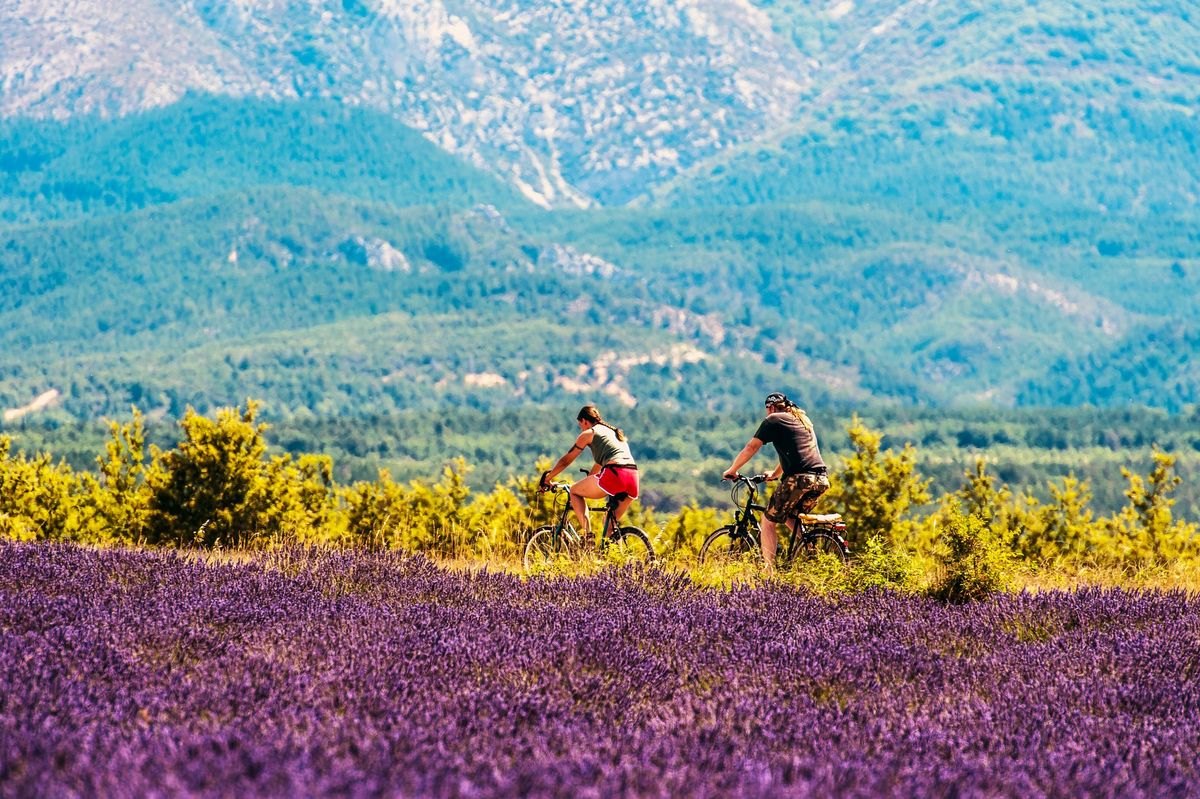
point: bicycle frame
(563, 527)
(548, 541)
(799, 531)
(746, 523)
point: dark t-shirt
(795, 443)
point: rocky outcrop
(574, 103)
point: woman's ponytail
(591, 414)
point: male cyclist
(805, 477)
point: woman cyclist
(614, 472)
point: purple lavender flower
(350, 674)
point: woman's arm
(566, 460)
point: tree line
(685, 447)
(218, 487)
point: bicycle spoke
(631, 545)
(545, 547)
(727, 545)
(821, 546)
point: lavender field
(132, 673)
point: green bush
(878, 565)
(974, 559)
(217, 487)
(119, 500)
(684, 534)
(877, 491)
(1062, 530)
(441, 518)
(1145, 532)
(39, 500)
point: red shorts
(618, 480)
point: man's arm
(749, 451)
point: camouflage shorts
(797, 493)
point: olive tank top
(607, 450)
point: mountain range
(354, 207)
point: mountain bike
(815, 536)
(561, 539)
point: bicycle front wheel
(632, 544)
(821, 546)
(544, 547)
(727, 545)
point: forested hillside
(205, 266)
(204, 146)
(1058, 143)
(948, 209)
(392, 285)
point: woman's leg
(581, 492)
(622, 507)
(625, 490)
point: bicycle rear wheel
(819, 545)
(544, 547)
(727, 545)
(632, 544)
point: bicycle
(816, 535)
(552, 541)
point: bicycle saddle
(819, 518)
(617, 499)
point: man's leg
(770, 542)
(791, 526)
(779, 508)
(809, 490)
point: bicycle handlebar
(756, 479)
(554, 488)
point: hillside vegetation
(955, 210)
(219, 248)
(1057, 144)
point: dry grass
(1180, 576)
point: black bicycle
(553, 541)
(815, 536)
